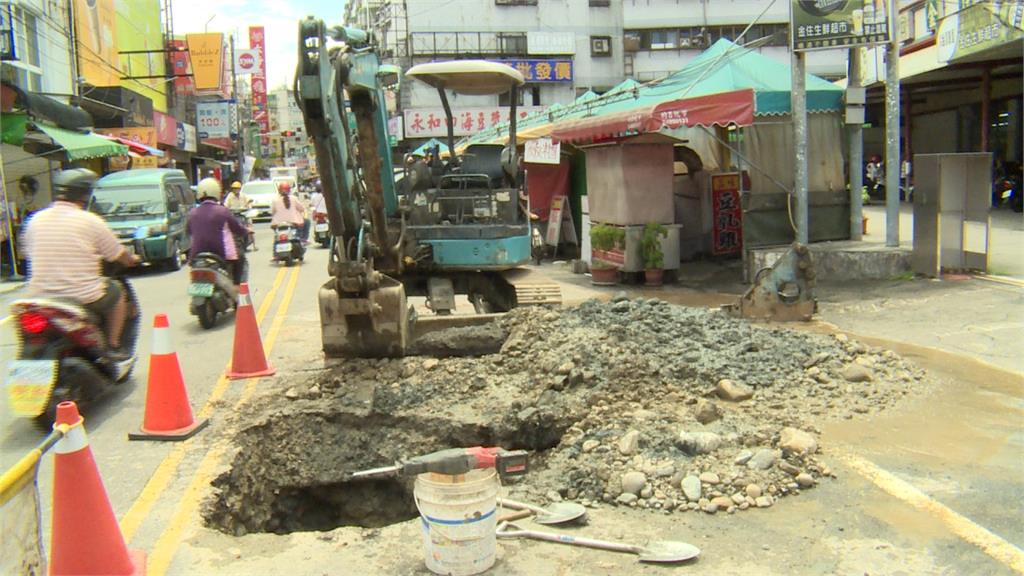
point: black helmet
(75, 185)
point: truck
(288, 174)
(459, 227)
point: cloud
(280, 18)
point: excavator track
(532, 288)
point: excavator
(462, 228)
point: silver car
(262, 193)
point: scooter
(211, 288)
(287, 244)
(244, 218)
(64, 354)
(321, 229)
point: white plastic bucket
(458, 520)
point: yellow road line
(167, 545)
(989, 543)
(160, 558)
(161, 477)
(5, 320)
(275, 327)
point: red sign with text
(257, 41)
(726, 214)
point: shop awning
(722, 109)
(137, 148)
(76, 145)
(429, 145)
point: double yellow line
(167, 544)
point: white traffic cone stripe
(73, 441)
(244, 300)
(162, 341)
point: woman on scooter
(287, 209)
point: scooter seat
(208, 256)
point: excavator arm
(362, 307)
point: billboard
(166, 128)
(246, 62)
(139, 29)
(213, 119)
(820, 24)
(543, 70)
(430, 122)
(257, 42)
(206, 51)
(96, 35)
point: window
(600, 45)
(505, 98)
(535, 92)
(515, 2)
(512, 43)
(600, 3)
(25, 71)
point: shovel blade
(560, 513)
(668, 551)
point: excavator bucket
(782, 292)
(376, 326)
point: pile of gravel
(644, 404)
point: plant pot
(653, 277)
(604, 276)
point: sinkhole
(290, 472)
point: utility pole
(799, 113)
(856, 160)
(892, 132)
(238, 112)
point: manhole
(290, 472)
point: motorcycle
(287, 244)
(244, 218)
(321, 229)
(64, 354)
(211, 288)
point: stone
(709, 478)
(691, 488)
(565, 368)
(665, 471)
(794, 441)
(620, 296)
(589, 445)
(633, 482)
(743, 457)
(314, 391)
(553, 496)
(291, 393)
(788, 468)
(626, 498)
(738, 498)
(695, 443)
(647, 492)
(620, 307)
(629, 443)
(857, 373)
(526, 413)
(706, 411)
(710, 508)
(763, 501)
(805, 480)
(723, 502)
(763, 459)
(733, 391)
(430, 363)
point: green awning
(79, 146)
(12, 128)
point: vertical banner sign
(818, 24)
(207, 54)
(257, 42)
(180, 68)
(726, 214)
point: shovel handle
(568, 539)
(521, 506)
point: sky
(280, 18)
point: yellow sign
(96, 34)
(207, 54)
(140, 162)
(29, 385)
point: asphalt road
(283, 298)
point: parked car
(155, 199)
(262, 194)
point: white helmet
(209, 188)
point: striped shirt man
(67, 247)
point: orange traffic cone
(168, 412)
(248, 359)
(85, 538)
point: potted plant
(654, 258)
(606, 244)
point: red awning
(722, 109)
(134, 147)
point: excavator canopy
(470, 77)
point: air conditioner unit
(600, 47)
(684, 42)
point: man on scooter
(67, 246)
(213, 227)
(237, 200)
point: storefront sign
(166, 128)
(213, 119)
(430, 122)
(247, 61)
(206, 51)
(550, 43)
(542, 151)
(726, 214)
(180, 68)
(546, 70)
(818, 24)
(979, 27)
(257, 42)
(187, 138)
(7, 51)
(396, 130)
(143, 135)
(140, 162)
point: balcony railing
(468, 44)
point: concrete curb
(10, 286)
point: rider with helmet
(287, 209)
(236, 200)
(67, 246)
(213, 228)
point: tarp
(430, 145)
(136, 147)
(79, 146)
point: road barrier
(248, 359)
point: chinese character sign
(257, 42)
(978, 27)
(430, 122)
(546, 70)
(542, 151)
(818, 24)
(727, 215)
(213, 119)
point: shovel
(557, 513)
(663, 551)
